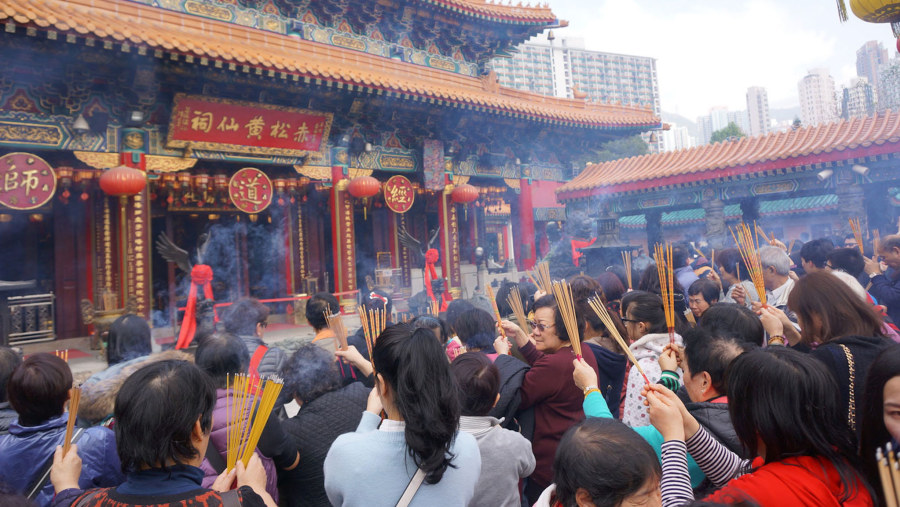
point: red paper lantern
(123, 180)
(464, 194)
(364, 186)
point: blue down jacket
(25, 451)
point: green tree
(612, 150)
(731, 130)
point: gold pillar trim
(513, 183)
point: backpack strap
(257, 358)
(411, 488)
(41, 480)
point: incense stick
(689, 315)
(62, 354)
(857, 234)
(887, 485)
(74, 401)
(515, 302)
(566, 304)
(336, 324)
(664, 269)
(626, 260)
(749, 249)
(434, 307)
(373, 324)
(250, 405)
(490, 294)
(542, 278)
(895, 471)
(601, 311)
(876, 243)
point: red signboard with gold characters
(250, 190)
(399, 194)
(209, 123)
(26, 181)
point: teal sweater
(595, 406)
(372, 468)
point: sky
(710, 51)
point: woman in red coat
(548, 385)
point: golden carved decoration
(356, 173)
(513, 183)
(314, 172)
(343, 184)
(98, 159)
(133, 141)
(161, 164)
(460, 180)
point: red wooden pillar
(527, 256)
(450, 244)
(343, 238)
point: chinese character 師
(279, 130)
(255, 127)
(201, 121)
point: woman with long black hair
(786, 412)
(880, 411)
(417, 449)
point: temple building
(289, 145)
(796, 185)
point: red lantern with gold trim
(364, 186)
(123, 181)
(464, 194)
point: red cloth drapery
(431, 258)
(576, 244)
(201, 275)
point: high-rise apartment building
(817, 98)
(718, 118)
(676, 138)
(559, 67)
(858, 99)
(757, 111)
(869, 58)
(888, 91)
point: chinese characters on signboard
(399, 194)
(246, 127)
(250, 190)
(26, 181)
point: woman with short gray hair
(327, 410)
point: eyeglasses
(540, 327)
(264, 324)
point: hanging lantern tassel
(366, 209)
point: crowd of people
(783, 403)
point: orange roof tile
(142, 25)
(514, 13)
(842, 140)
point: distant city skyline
(709, 53)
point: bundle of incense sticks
(876, 242)
(889, 473)
(689, 315)
(62, 354)
(434, 307)
(857, 234)
(542, 278)
(791, 246)
(760, 231)
(601, 311)
(74, 401)
(515, 302)
(566, 303)
(749, 246)
(336, 325)
(250, 405)
(373, 324)
(490, 295)
(626, 260)
(664, 268)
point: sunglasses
(540, 327)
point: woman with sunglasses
(557, 402)
(645, 322)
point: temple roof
(843, 140)
(509, 13)
(129, 23)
